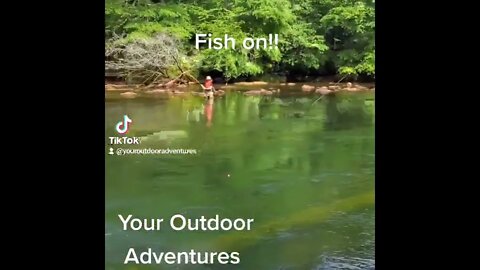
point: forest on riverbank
(147, 41)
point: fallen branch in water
(318, 99)
(183, 78)
(341, 79)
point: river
(303, 168)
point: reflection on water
(304, 172)
(341, 263)
(209, 112)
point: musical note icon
(123, 126)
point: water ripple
(345, 263)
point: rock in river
(323, 90)
(307, 88)
(129, 94)
(157, 91)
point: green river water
(303, 170)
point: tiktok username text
(150, 151)
(124, 140)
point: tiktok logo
(123, 126)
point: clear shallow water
(304, 172)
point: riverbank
(255, 88)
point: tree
(315, 36)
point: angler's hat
(209, 78)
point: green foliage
(232, 63)
(313, 34)
(351, 30)
(302, 47)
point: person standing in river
(208, 88)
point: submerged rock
(156, 91)
(129, 94)
(355, 87)
(117, 87)
(323, 90)
(252, 83)
(261, 92)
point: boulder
(307, 88)
(323, 90)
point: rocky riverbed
(257, 88)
